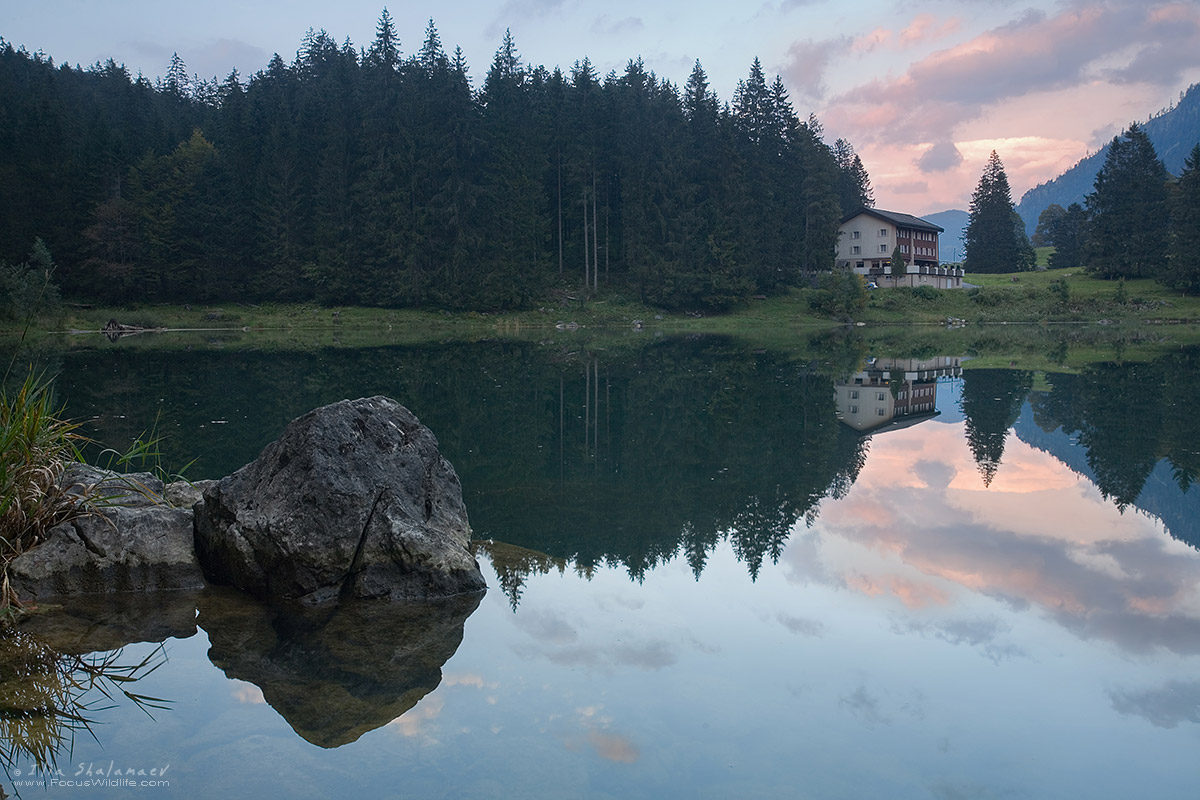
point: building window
(883, 232)
(853, 409)
(855, 250)
(853, 395)
(880, 396)
(855, 234)
(879, 412)
(883, 248)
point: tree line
(364, 176)
(1138, 222)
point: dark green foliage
(995, 238)
(991, 403)
(1183, 271)
(378, 178)
(1129, 215)
(1066, 234)
(1062, 291)
(840, 293)
(28, 289)
(853, 183)
(1047, 221)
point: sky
(924, 91)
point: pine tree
(854, 185)
(1128, 233)
(992, 241)
(1184, 266)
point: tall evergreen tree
(1184, 266)
(1067, 235)
(1128, 232)
(992, 240)
(854, 184)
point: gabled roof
(902, 220)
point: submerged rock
(353, 500)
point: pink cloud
(870, 41)
(1032, 54)
(924, 28)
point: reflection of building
(893, 392)
(868, 238)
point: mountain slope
(950, 242)
(1173, 133)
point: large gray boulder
(353, 500)
(135, 541)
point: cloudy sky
(923, 90)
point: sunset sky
(924, 91)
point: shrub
(926, 293)
(987, 295)
(840, 293)
(1060, 289)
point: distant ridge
(1173, 133)
(950, 242)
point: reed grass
(36, 447)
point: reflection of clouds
(412, 722)
(980, 634)
(648, 655)
(607, 744)
(247, 693)
(1042, 536)
(1166, 707)
(547, 627)
(913, 594)
(468, 679)
(614, 747)
(864, 705)
(800, 625)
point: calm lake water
(714, 572)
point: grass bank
(1047, 297)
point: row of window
(883, 232)
(878, 395)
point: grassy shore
(1046, 297)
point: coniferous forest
(368, 176)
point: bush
(987, 295)
(926, 293)
(1060, 289)
(28, 289)
(840, 293)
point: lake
(715, 569)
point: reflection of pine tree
(1122, 427)
(991, 403)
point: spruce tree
(993, 243)
(1184, 265)
(1129, 226)
(1066, 234)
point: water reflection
(888, 390)
(336, 672)
(971, 609)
